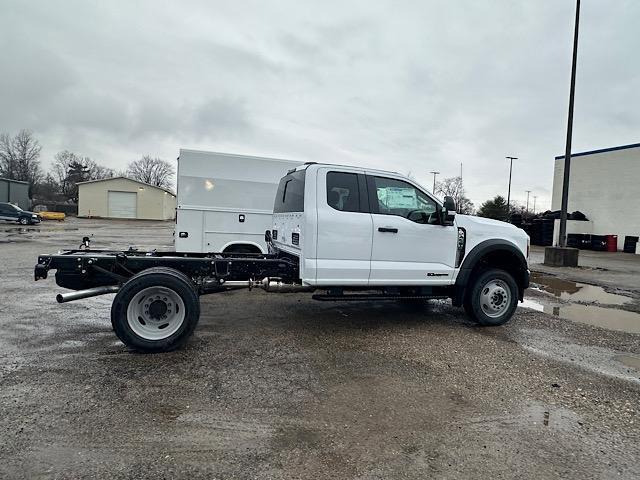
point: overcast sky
(410, 86)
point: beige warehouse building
(121, 197)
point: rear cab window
(290, 194)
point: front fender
(480, 252)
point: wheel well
(242, 248)
(503, 259)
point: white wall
(606, 188)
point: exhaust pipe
(279, 286)
(89, 292)
(268, 284)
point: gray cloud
(407, 86)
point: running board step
(362, 297)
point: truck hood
(469, 220)
(479, 229)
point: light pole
(528, 192)
(434, 182)
(567, 150)
(534, 204)
(511, 159)
(561, 256)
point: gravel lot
(279, 386)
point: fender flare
(477, 253)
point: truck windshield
(290, 195)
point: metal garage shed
(16, 192)
(122, 197)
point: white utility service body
(363, 244)
(224, 201)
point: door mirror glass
(450, 204)
(449, 211)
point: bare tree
(153, 171)
(20, 157)
(69, 169)
(453, 187)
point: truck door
(344, 227)
(406, 249)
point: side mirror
(450, 204)
(449, 211)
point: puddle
(580, 292)
(610, 318)
(628, 360)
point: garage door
(122, 204)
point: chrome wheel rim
(155, 313)
(495, 298)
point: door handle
(387, 230)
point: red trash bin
(612, 243)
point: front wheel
(24, 221)
(157, 310)
(493, 298)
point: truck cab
(361, 228)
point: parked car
(13, 213)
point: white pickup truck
(344, 233)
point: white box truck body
(225, 201)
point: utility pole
(511, 159)
(528, 192)
(434, 182)
(534, 204)
(567, 150)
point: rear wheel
(157, 310)
(492, 299)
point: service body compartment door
(344, 227)
(406, 249)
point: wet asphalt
(279, 386)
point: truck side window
(342, 191)
(290, 194)
(396, 197)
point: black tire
(173, 283)
(24, 221)
(480, 301)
